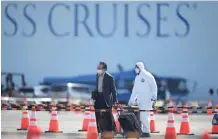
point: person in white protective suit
(144, 94)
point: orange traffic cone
(205, 135)
(209, 108)
(34, 131)
(215, 124)
(92, 128)
(117, 123)
(24, 120)
(152, 123)
(185, 127)
(86, 120)
(170, 130)
(53, 126)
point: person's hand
(94, 94)
(131, 104)
(116, 105)
(91, 102)
(154, 102)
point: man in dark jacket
(104, 97)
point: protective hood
(140, 65)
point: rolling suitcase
(130, 124)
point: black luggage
(130, 124)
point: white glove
(134, 102)
(129, 104)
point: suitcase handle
(119, 108)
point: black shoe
(144, 135)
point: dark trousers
(104, 120)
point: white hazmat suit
(143, 94)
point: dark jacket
(109, 89)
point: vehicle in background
(176, 88)
(27, 92)
(42, 91)
(73, 93)
(11, 82)
(39, 91)
(123, 95)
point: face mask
(99, 71)
(137, 71)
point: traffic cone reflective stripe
(85, 120)
(170, 117)
(92, 124)
(152, 116)
(171, 123)
(25, 114)
(185, 119)
(33, 122)
(33, 114)
(24, 120)
(53, 125)
(152, 123)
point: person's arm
(93, 97)
(113, 90)
(94, 92)
(153, 87)
(133, 95)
